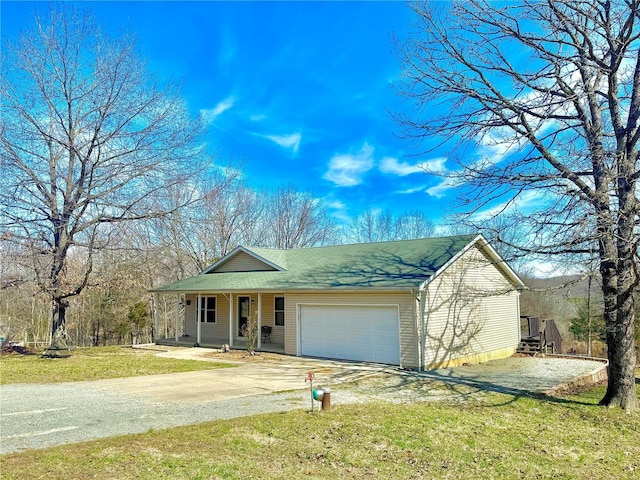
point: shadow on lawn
(466, 387)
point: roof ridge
(470, 235)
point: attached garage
(351, 332)
(419, 304)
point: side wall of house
(407, 308)
(471, 313)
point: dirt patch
(16, 349)
(244, 356)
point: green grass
(93, 364)
(499, 436)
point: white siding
(470, 310)
(405, 302)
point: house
(419, 304)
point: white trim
(199, 320)
(233, 253)
(368, 305)
(259, 320)
(237, 331)
(215, 316)
(284, 311)
(230, 319)
(181, 298)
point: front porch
(188, 341)
(214, 319)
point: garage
(351, 332)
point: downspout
(419, 295)
(423, 327)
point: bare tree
(87, 141)
(550, 92)
(298, 220)
(372, 226)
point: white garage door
(350, 332)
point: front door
(244, 310)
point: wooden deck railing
(539, 336)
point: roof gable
(242, 259)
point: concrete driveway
(38, 416)
(245, 379)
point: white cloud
(346, 170)
(421, 188)
(435, 165)
(392, 165)
(337, 204)
(210, 114)
(258, 117)
(291, 141)
(441, 189)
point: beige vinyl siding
(406, 303)
(209, 331)
(471, 310)
(242, 262)
(268, 317)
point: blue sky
(296, 92)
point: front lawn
(94, 363)
(495, 436)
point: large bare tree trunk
(562, 128)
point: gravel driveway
(38, 416)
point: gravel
(38, 416)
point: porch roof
(397, 265)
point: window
(279, 311)
(208, 309)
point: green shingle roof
(397, 265)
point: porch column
(156, 332)
(199, 317)
(231, 319)
(259, 320)
(177, 319)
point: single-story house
(418, 304)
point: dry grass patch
(94, 363)
(497, 436)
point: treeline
(115, 306)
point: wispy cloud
(420, 188)
(291, 141)
(347, 170)
(210, 114)
(393, 166)
(441, 189)
(435, 165)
